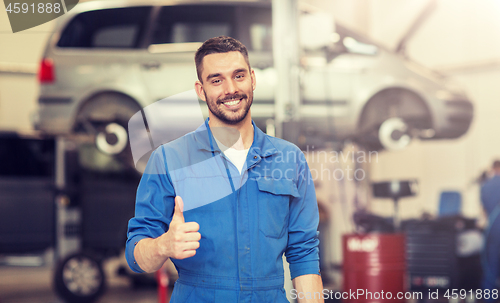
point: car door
(97, 51)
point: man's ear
(198, 87)
(254, 83)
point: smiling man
(226, 201)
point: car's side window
(115, 36)
(189, 23)
(194, 32)
(348, 42)
(258, 28)
(107, 28)
(357, 47)
(197, 23)
(260, 37)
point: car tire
(391, 118)
(79, 278)
(106, 117)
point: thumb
(178, 210)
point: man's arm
(309, 283)
(302, 251)
(179, 242)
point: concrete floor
(34, 285)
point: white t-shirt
(237, 156)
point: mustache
(232, 97)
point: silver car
(107, 60)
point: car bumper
(54, 115)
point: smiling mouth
(232, 102)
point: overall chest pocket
(273, 200)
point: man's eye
(239, 76)
(216, 81)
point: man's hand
(179, 242)
(182, 239)
(309, 284)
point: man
(224, 222)
(490, 190)
(490, 198)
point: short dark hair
(496, 164)
(221, 44)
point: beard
(228, 116)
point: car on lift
(107, 60)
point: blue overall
(490, 197)
(247, 221)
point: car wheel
(79, 278)
(393, 134)
(105, 117)
(390, 120)
(112, 139)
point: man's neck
(238, 136)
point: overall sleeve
(154, 206)
(302, 252)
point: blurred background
(391, 100)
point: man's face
(227, 86)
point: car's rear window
(197, 23)
(107, 28)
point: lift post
(68, 217)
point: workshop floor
(34, 285)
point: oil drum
(374, 268)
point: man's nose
(231, 87)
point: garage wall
(17, 101)
(20, 54)
(458, 39)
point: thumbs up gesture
(182, 239)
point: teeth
(230, 103)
